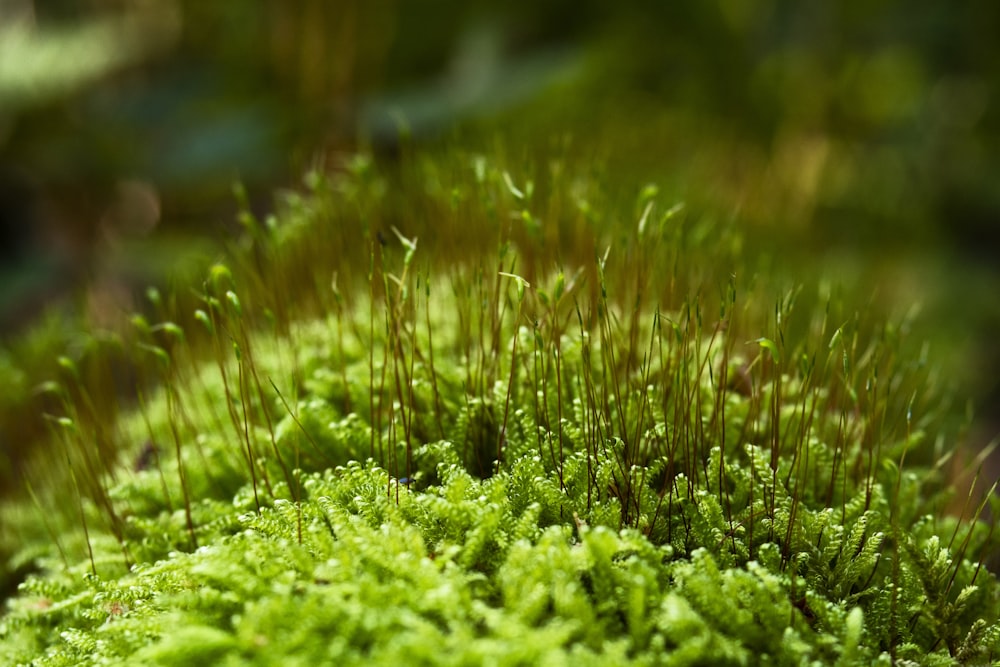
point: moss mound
(443, 413)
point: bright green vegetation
(458, 411)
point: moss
(513, 430)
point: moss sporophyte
(450, 412)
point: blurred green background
(861, 136)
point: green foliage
(490, 458)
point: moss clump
(532, 436)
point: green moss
(494, 440)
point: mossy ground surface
(458, 412)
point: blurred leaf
(40, 63)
